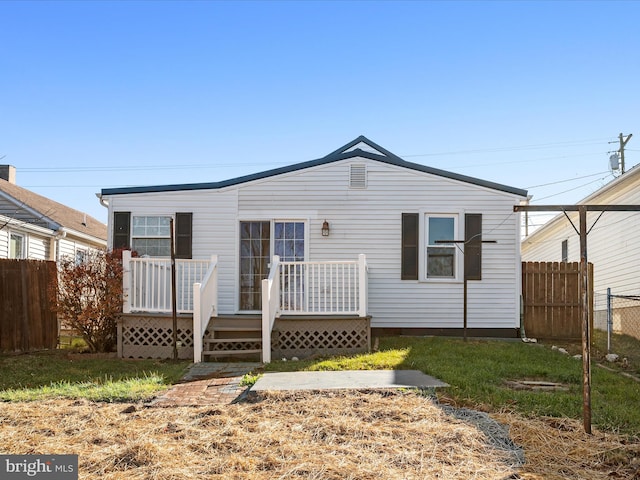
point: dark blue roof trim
(335, 156)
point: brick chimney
(8, 173)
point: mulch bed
(333, 435)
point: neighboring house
(612, 241)
(37, 228)
(359, 202)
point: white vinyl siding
(215, 220)
(44, 244)
(369, 221)
(364, 221)
(39, 247)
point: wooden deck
(149, 335)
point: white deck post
(214, 312)
(362, 285)
(266, 322)
(197, 324)
(126, 281)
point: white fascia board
(83, 236)
(26, 226)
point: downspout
(102, 201)
(62, 233)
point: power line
(569, 190)
(568, 180)
(137, 168)
(129, 167)
(513, 148)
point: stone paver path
(207, 383)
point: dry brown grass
(336, 435)
(558, 448)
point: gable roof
(55, 214)
(359, 147)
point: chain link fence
(616, 322)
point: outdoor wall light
(325, 229)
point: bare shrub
(89, 297)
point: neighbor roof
(631, 177)
(56, 213)
(360, 147)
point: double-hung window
(151, 235)
(17, 245)
(440, 257)
(565, 251)
(81, 257)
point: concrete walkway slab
(349, 379)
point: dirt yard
(346, 435)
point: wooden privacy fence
(27, 321)
(552, 300)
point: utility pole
(623, 143)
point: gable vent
(358, 176)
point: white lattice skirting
(149, 336)
(322, 337)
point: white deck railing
(323, 288)
(205, 306)
(147, 283)
(270, 306)
(292, 288)
(312, 288)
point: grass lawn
(332, 435)
(478, 370)
(53, 374)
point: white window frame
(564, 250)
(273, 235)
(150, 237)
(23, 244)
(424, 244)
(81, 256)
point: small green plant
(250, 379)
(72, 343)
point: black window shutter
(184, 230)
(121, 229)
(410, 223)
(473, 246)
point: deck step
(229, 352)
(234, 329)
(232, 340)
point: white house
(612, 241)
(38, 228)
(358, 203)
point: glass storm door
(288, 240)
(256, 241)
(255, 251)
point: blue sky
(106, 94)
